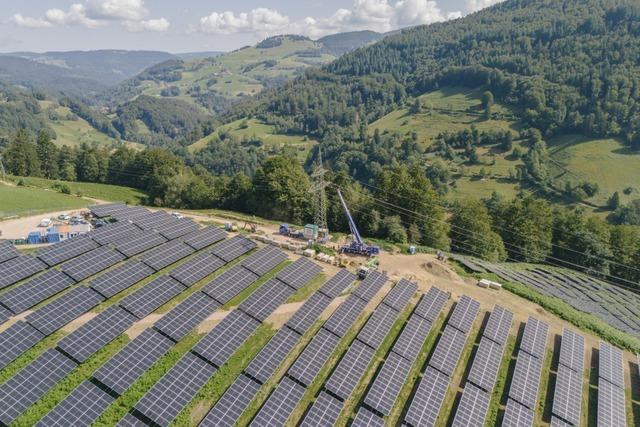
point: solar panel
(265, 260)
(229, 284)
(31, 383)
(412, 338)
(486, 364)
(7, 251)
(82, 407)
(120, 278)
(346, 314)
(96, 333)
(324, 412)
(19, 268)
(200, 239)
(387, 385)
(196, 269)
(180, 227)
(517, 415)
(139, 242)
(534, 339)
(280, 404)
(122, 370)
(448, 351)
(567, 399)
(266, 363)
(313, 358)
(365, 418)
(151, 296)
(155, 221)
(175, 389)
(610, 365)
(115, 233)
(426, 403)
(400, 295)
(473, 407)
(91, 263)
(166, 254)
(220, 344)
(611, 405)
(464, 314)
(186, 316)
(131, 213)
(64, 251)
(557, 422)
(35, 290)
(129, 420)
(337, 284)
(232, 404)
(299, 273)
(350, 370)
(431, 304)
(266, 299)
(370, 286)
(499, 325)
(309, 313)
(572, 350)
(15, 340)
(526, 380)
(105, 210)
(378, 326)
(5, 314)
(64, 309)
(233, 248)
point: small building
(310, 232)
(63, 232)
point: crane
(357, 246)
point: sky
(204, 25)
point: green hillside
(23, 201)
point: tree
(487, 104)
(471, 232)
(628, 214)
(393, 229)
(614, 201)
(21, 156)
(47, 155)
(526, 230)
(416, 107)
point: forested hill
(570, 65)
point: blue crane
(357, 246)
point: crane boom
(352, 224)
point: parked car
(45, 222)
(64, 217)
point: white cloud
(151, 25)
(376, 15)
(96, 13)
(476, 5)
(28, 22)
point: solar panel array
(187, 315)
(105, 210)
(431, 304)
(139, 242)
(96, 333)
(388, 383)
(175, 389)
(499, 325)
(350, 370)
(264, 260)
(15, 340)
(464, 314)
(534, 339)
(229, 284)
(517, 415)
(178, 228)
(365, 418)
(265, 364)
(122, 370)
(526, 380)
(572, 350)
(299, 273)
(120, 278)
(473, 407)
(64, 309)
(196, 269)
(91, 263)
(82, 407)
(337, 284)
(200, 239)
(264, 301)
(220, 344)
(305, 317)
(310, 362)
(5, 314)
(232, 404)
(611, 392)
(567, 399)
(345, 315)
(31, 383)
(64, 251)
(426, 403)
(400, 295)
(114, 233)
(324, 412)
(7, 251)
(19, 268)
(233, 248)
(166, 254)
(151, 296)
(370, 286)
(279, 405)
(412, 338)
(36, 290)
(448, 351)
(378, 326)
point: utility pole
(319, 186)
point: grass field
(23, 201)
(604, 161)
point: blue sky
(197, 25)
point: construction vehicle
(365, 269)
(357, 245)
(289, 231)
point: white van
(45, 222)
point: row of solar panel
(430, 393)
(611, 392)
(123, 369)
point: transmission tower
(319, 194)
